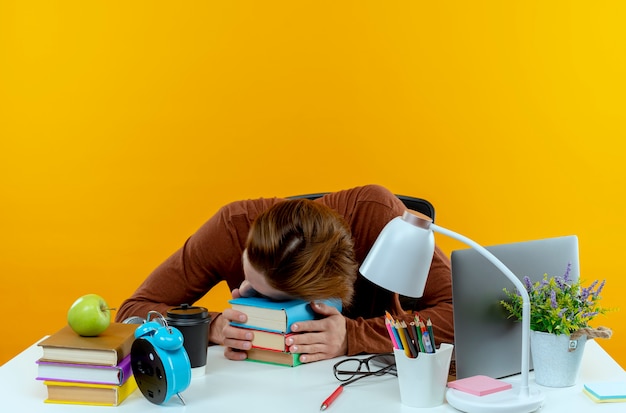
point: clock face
(150, 375)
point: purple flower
(560, 282)
(599, 290)
(528, 283)
(567, 271)
(590, 314)
(553, 302)
(584, 294)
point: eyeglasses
(352, 369)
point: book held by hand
(270, 340)
(276, 316)
(271, 323)
(282, 358)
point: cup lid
(187, 312)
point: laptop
(486, 341)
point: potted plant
(560, 312)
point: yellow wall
(124, 125)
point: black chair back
(416, 204)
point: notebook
(487, 342)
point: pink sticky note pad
(479, 385)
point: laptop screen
(486, 341)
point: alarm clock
(159, 361)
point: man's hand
(235, 340)
(320, 339)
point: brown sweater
(213, 254)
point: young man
(297, 249)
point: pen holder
(423, 379)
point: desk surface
(235, 386)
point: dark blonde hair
(304, 249)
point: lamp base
(509, 401)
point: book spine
(119, 393)
(257, 327)
(125, 371)
(280, 358)
(299, 313)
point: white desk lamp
(400, 260)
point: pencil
(392, 334)
(405, 345)
(413, 333)
(429, 327)
(409, 341)
(418, 332)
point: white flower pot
(555, 365)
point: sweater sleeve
(371, 336)
(436, 303)
(212, 254)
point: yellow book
(65, 392)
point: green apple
(89, 315)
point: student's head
(301, 249)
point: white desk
(231, 386)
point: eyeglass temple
(379, 372)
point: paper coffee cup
(193, 323)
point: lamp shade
(400, 259)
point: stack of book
(271, 323)
(88, 370)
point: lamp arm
(524, 388)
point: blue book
(276, 316)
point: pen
(427, 344)
(426, 339)
(326, 403)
